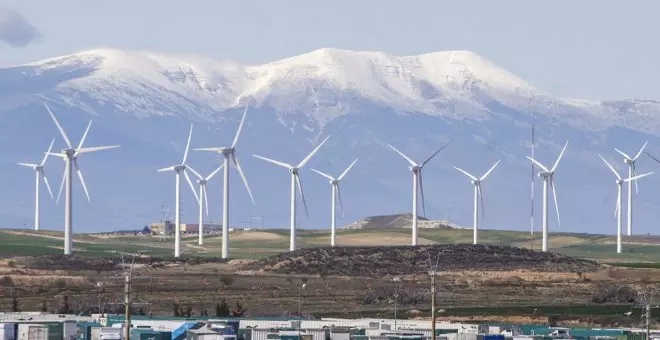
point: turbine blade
(433, 155)
(190, 183)
(616, 204)
(302, 194)
(640, 151)
(282, 164)
(554, 196)
(481, 197)
(209, 149)
(489, 171)
(402, 155)
(59, 193)
(205, 198)
(610, 166)
(655, 159)
(185, 154)
(635, 178)
(341, 204)
(240, 128)
(50, 148)
(208, 178)
(347, 170)
(96, 148)
(323, 174)
(29, 165)
(466, 173)
(82, 180)
(240, 172)
(561, 154)
(43, 175)
(421, 192)
(316, 149)
(170, 168)
(538, 164)
(56, 154)
(194, 172)
(622, 153)
(59, 127)
(82, 140)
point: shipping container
(84, 330)
(636, 336)
(106, 333)
(7, 331)
(27, 331)
(144, 334)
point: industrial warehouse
(42, 326)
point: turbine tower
(39, 171)
(417, 186)
(335, 193)
(477, 195)
(548, 180)
(228, 152)
(70, 157)
(631, 173)
(203, 198)
(617, 211)
(180, 168)
(295, 179)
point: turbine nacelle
(415, 168)
(545, 174)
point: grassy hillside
(258, 244)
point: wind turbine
(295, 179)
(548, 180)
(70, 156)
(477, 195)
(335, 193)
(203, 198)
(417, 181)
(631, 172)
(180, 168)
(617, 211)
(229, 152)
(39, 171)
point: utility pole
(647, 300)
(432, 272)
(127, 277)
(396, 280)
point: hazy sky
(593, 49)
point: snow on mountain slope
(322, 85)
(146, 101)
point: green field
(640, 252)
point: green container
(357, 331)
(445, 331)
(244, 334)
(85, 329)
(359, 337)
(145, 334)
(636, 336)
(165, 335)
(289, 337)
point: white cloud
(15, 29)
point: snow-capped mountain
(146, 101)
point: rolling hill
(256, 244)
